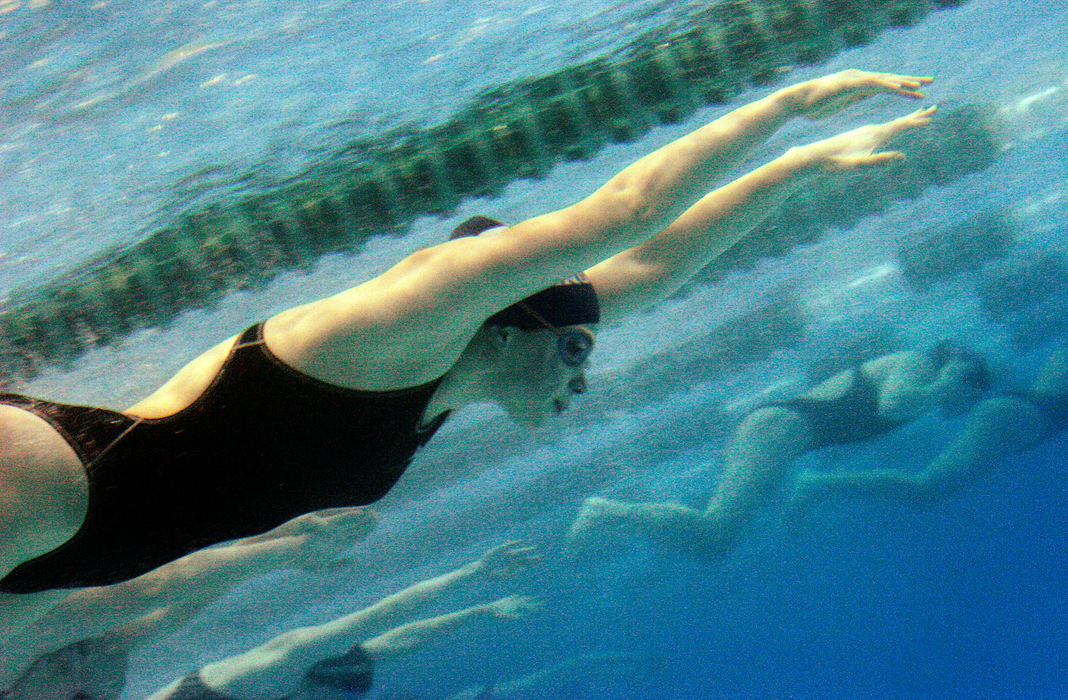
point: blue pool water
(115, 116)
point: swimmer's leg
(758, 457)
(998, 426)
(44, 492)
(665, 524)
(814, 487)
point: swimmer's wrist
(804, 162)
(475, 568)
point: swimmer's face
(542, 369)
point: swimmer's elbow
(628, 202)
(436, 269)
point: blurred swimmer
(90, 669)
(1001, 425)
(324, 405)
(855, 405)
(333, 660)
(182, 588)
(95, 668)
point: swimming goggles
(573, 346)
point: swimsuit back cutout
(851, 417)
(263, 444)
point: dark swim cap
(978, 375)
(351, 672)
(569, 303)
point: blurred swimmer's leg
(674, 526)
(758, 458)
(998, 426)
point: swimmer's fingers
(322, 536)
(339, 525)
(886, 131)
(515, 607)
(921, 117)
(832, 93)
(330, 565)
(905, 85)
(873, 161)
(508, 559)
(859, 148)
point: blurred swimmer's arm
(185, 586)
(659, 267)
(411, 637)
(274, 668)
(310, 540)
(503, 561)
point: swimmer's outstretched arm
(411, 637)
(276, 667)
(430, 304)
(400, 641)
(503, 561)
(659, 267)
(996, 427)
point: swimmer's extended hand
(515, 607)
(859, 149)
(323, 535)
(507, 560)
(831, 94)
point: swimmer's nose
(578, 385)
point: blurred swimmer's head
(967, 373)
(90, 669)
(349, 675)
